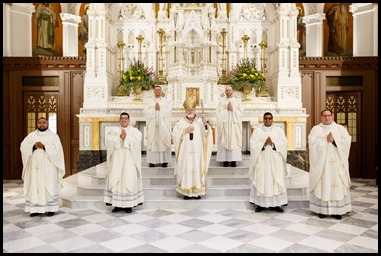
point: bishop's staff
(202, 116)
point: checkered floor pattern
(191, 230)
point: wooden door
(346, 108)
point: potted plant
(137, 78)
(245, 77)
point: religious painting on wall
(301, 30)
(338, 30)
(47, 30)
(83, 34)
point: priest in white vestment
(268, 167)
(192, 137)
(43, 169)
(158, 115)
(124, 183)
(330, 182)
(229, 129)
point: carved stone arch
(192, 23)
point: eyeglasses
(326, 115)
(124, 118)
(267, 118)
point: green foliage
(138, 75)
(246, 73)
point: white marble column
(17, 29)
(314, 34)
(70, 34)
(365, 15)
(98, 81)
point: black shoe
(117, 209)
(258, 209)
(233, 164)
(140, 203)
(187, 198)
(196, 197)
(164, 165)
(322, 216)
(278, 209)
(50, 214)
(128, 210)
(225, 164)
(151, 165)
(337, 216)
(34, 214)
(108, 204)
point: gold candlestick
(140, 39)
(121, 45)
(263, 45)
(224, 78)
(160, 78)
(245, 39)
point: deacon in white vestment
(43, 169)
(158, 115)
(329, 146)
(229, 129)
(192, 137)
(268, 167)
(124, 184)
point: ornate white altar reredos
(192, 47)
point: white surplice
(229, 130)
(43, 171)
(124, 183)
(268, 167)
(158, 123)
(329, 170)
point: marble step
(227, 187)
(177, 202)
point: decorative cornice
(24, 63)
(70, 18)
(314, 18)
(335, 62)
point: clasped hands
(123, 134)
(268, 142)
(330, 137)
(230, 106)
(157, 106)
(39, 145)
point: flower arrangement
(244, 74)
(138, 75)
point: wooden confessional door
(346, 108)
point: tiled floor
(196, 230)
